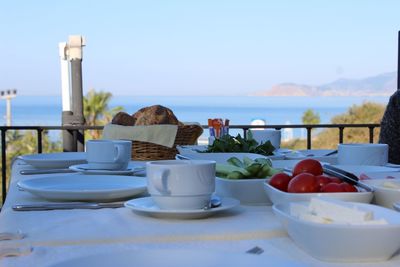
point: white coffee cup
(108, 154)
(363, 154)
(262, 136)
(181, 184)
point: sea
(46, 110)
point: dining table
(246, 235)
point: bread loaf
(122, 118)
(151, 115)
(156, 114)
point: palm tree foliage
(97, 112)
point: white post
(8, 113)
(65, 78)
(8, 95)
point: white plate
(318, 154)
(288, 163)
(277, 155)
(283, 150)
(222, 157)
(185, 149)
(394, 174)
(82, 187)
(362, 169)
(54, 160)
(146, 206)
(175, 258)
(83, 168)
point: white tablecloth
(63, 234)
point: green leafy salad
(229, 143)
(246, 169)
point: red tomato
(332, 187)
(303, 183)
(308, 165)
(348, 187)
(336, 180)
(323, 180)
(280, 181)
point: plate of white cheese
(334, 230)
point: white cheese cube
(313, 218)
(375, 222)
(339, 211)
(390, 184)
(298, 209)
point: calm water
(44, 111)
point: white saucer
(84, 168)
(82, 187)
(54, 160)
(146, 206)
(283, 150)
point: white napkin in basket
(157, 134)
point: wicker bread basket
(186, 135)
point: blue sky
(197, 47)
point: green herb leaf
(229, 143)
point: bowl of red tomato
(308, 180)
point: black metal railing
(245, 128)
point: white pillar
(65, 77)
(8, 113)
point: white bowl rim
(243, 180)
(318, 193)
(377, 183)
(362, 144)
(275, 208)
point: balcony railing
(244, 128)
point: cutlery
(45, 171)
(396, 206)
(331, 153)
(215, 202)
(13, 252)
(181, 157)
(346, 176)
(255, 250)
(66, 206)
(11, 235)
(324, 155)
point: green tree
(368, 112)
(310, 117)
(25, 142)
(97, 112)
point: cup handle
(160, 180)
(120, 152)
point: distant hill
(380, 85)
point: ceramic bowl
(248, 191)
(344, 243)
(363, 154)
(385, 196)
(277, 196)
